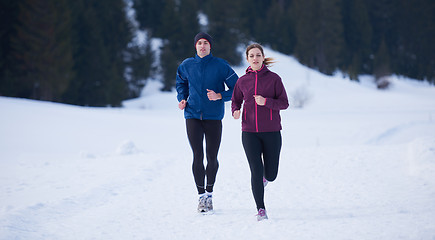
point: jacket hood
(262, 69)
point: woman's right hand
(182, 104)
(236, 114)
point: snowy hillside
(356, 163)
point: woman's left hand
(260, 100)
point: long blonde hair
(268, 61)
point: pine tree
(223, 22)
(416, 50)
(251, 17)
(117, 34)
(382, 15)
(357, 36)
(169, 66)
(179, 27)
(304, 15)
(41, 49)
(382, 62)
(149, 15)
(330, 47)
(268, 22)
(319, 33)
(9, 11)
(171, 26)
(101, 35)
(189, 24)
(139, 59)
(88, 52)
(279, 28)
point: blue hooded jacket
(194, 76)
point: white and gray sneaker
(209, 202)
(202, 204)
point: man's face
(202, 47)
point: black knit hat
(203, 35)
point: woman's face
(255, 59)
(202, 48)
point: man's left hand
(212, 96)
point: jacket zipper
(256, 113)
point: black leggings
(262, 150)
(212, 130)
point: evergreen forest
(88, 52)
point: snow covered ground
(357, 163)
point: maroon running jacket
(256, 118)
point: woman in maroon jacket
(263, 95)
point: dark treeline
(82, 52)
(75, 52)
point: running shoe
(209, 203)
(265, 182)
(261, 214)
(202, 204)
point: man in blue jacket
(201, 94)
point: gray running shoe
(202, 204)
(209, 203)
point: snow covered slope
(357, 163)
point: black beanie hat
(203, 35)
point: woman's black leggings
(212, 130)
(262, 150)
